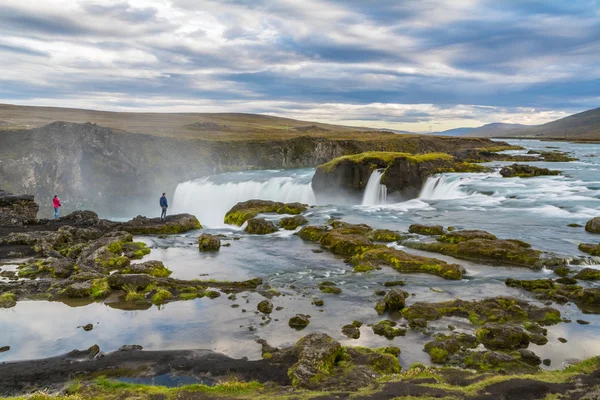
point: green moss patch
(246, 210)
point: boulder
(588, 274)
(353, 332)
(291, 223)
(317, 355)
(525, 171)
(246, 210)
(591, 249)
(152, 268)
(133, 281)
(593, 225)
(260, 226)
(208, 242)
(265, 307)
(300, 321)
(502, 337)
(388, 329)
(77, 290)
(394, 299)
(426, 229)
(172, 224)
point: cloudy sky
(386, 63)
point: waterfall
(375, 192)
(210, 198)
(442, 187)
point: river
(536, 210)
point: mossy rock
(351, 331)
(345, 244)
(502, 337)
(463, 236)
(135, 250)
(265, 307)
(406, 263)
(152, 268)
(506, 252)
(313, 233)
(260, 226)
(588, 274)
(531, 285)
(332, 289)
(8, 300)
(393, 283)
(385, 235)
(593, 225)
(526, 171)
(291, 223)
(591, 249)
(208, 242)
(444, 346)
(298, 322)
(562, 271)
(496, 309)
(429, 230)
(388, 329)
(246, 210)
(172, 224)
(161, 296)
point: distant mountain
(485, 130)
(585, 125)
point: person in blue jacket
(164, 205)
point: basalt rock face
(108, 170)
(344, 179)
(17, 209)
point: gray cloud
(429, 58)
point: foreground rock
(526, 171)
(172, 224)
(546, 289)
(260, 226)
(497, 309)
(484, 247)
(345, 178)
(355, 242)
(246, 210)
(208, 242)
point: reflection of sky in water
(536, 210)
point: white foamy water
(209, 200)
(375, 192)
(443, 187)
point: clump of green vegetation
(8, 300)
(161, 296)
(100, 288)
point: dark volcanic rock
(300, 321)
(17, 209)
(593, 225)
(525, 171)
(260, 226)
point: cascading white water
(375, 192)
(210, 201)
(442, 187)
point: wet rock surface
(526, 171)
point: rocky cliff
(115, 172)
(344, 179)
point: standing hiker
(164, 205)
(56, 205)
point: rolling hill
(581, 126)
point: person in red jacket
(56, 205)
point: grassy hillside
(226, 127)
(582, 126)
